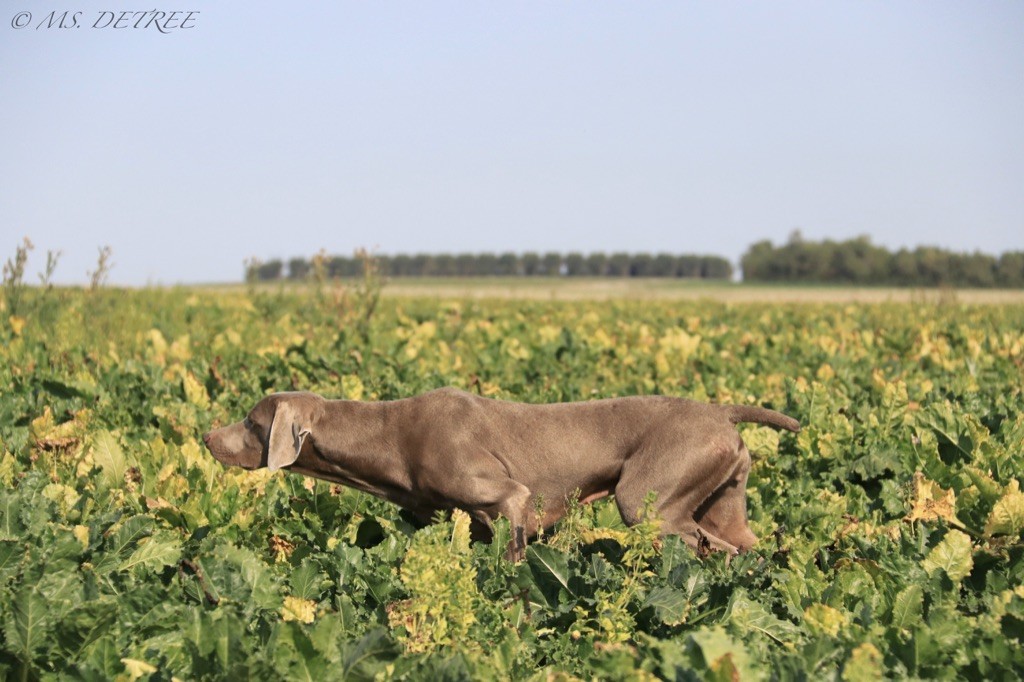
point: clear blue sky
(275, 129)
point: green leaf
(669, 603)
(26, 624)
(676, 555)
(86, 623)
(304, 662)
(954, 555)
(11, 553)
(723, 655)
(989, 489)
(162, 549)
(551, 562)
(238, 574)
(1007, 517)
(906, 608)
(11, 526)
(307, 581)
(749, 615)
(544, 574)
(227, 634)
(122, 542)
(366, 658)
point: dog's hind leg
(683, 481)
(724, 513)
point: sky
(274, 130)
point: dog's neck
(352, 443)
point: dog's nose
(206, 437)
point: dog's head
(271, 435)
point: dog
(448, 449)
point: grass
(589, 289)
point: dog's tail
(762, 415)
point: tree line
(853, 261)
(858, 261)
(498, 265)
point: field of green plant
(891, 526)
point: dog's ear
(287, 433)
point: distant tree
(508, 264)
(641, 265)
(597, 265)
(399, 265)
(618, 264)
(270, 270)
(688, 266)
(858, 261)
(975, 270)
(298, 268)
(903, 268)
(551, 264)
(714, 267)
(445, 265)
(663, 265)
(1010, 271)
(932, 266)
(575, 265)
(465, 265)
(342, 266)
(530, 263)
(756, 262)
(421, 265)
(486, 264)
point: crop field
(890, 528)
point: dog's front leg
(513, 501)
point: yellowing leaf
(81, 534)
(136, 668)
(158, 345)
(107, 454)
(17, 324)
(514, 349)
(41, 425)
(301, 610)
(864, 664)
(64, 496)
(727, 658)
(181, 349)
(724, 668)
(824, 619)
(931, 502)
(460, 531)
(762, 440)
(548, 333)
(1007, 517)
(592, 535)
(352, 387)
(954, 555)
(195, 392)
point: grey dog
(448, 449)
